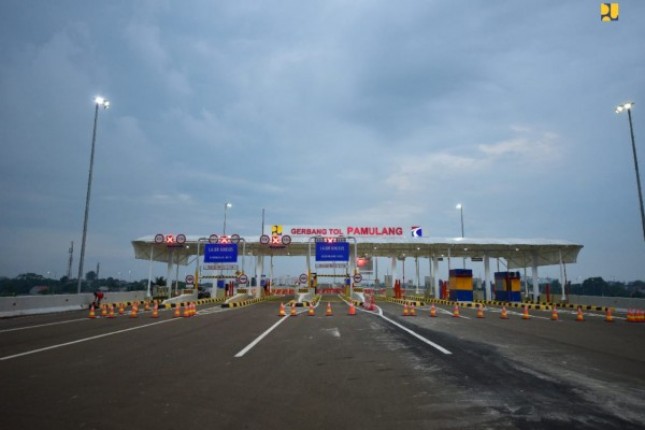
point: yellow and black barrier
(242, 303)
(304, 303)
(199, 302)
(543, 306)
(416, 303)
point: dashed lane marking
(258, 339)
(87, 339)
(43, 325)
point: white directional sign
(331, 265)
(220, 266)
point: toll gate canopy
(518, 253)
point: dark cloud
(319, 112)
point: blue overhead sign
(220, 253)
(335, 251)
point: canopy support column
(259, 260)
(435, 278)
(487, 284)
(534, 273)
(563, 277)
(149, 289)
(169, 273)
(392, 272)
(416, 264)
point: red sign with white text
(355, 230)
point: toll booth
(461, 285)
(508, 287)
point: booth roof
(518, 253)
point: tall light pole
(226, 206)
(628, 107)
(98, 102)
(461, 211)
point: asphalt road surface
(247, 368)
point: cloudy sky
(324, 113)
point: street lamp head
(624, 106)
(229, 205)
(100, 101)
(459, 206)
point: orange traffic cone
(580, 316)
(413, 310)
(177, 313)
(406, 311)
(293, 310)
(281, 312)
(312, 311)
(104, 310)
(455, 312)
(480, 311)
(503, 315)
(433, 311)
(640, 316)
(554, 313)
(525, 315)
(111, 313)
(133, 311)
(92, 313)
(186, 310)
(121, 309)
(352, 309)
(146, 306)
(608, 317)
(155, 311)
(328, 312)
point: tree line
(33, 283)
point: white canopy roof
(518, 253)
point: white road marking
(531, 316)
(333, 331)
(413, 333)
(43, 325)
(407, 330)
(257, 340)
(87, 339)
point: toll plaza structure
(394, 242)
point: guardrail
(45, 304)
